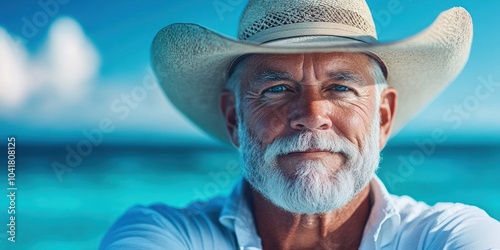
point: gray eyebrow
(274, 76)
(270, 76)
(346, 76)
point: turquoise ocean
(71, 208)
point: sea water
(71, 208)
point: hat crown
(262, 15)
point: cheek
(355, 124)
(266, 123)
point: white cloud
(14, 71)
(69, 58)
(58, 75)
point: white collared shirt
(227, 223)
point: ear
(227, 103)
(388, 105)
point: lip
(310, 151)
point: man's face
(308, 128)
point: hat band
(311, 29)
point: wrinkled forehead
(300, 64)
(360, 61)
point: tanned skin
(311, 100)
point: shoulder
(446, 226)
(163, 227)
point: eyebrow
(275, 76)
(346, 76)
(270, 76)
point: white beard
(315, 187)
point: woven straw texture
(264, 14)
(191, 62)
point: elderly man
(309, 98)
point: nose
(311, 112)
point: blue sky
(67, 65)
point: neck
(338, 229)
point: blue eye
(276, 89)
(340, 88)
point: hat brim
(191, 63)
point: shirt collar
(238, 217)
(384, 218)
(380, 228)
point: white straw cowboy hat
(192, 62)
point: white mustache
(306, 141)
